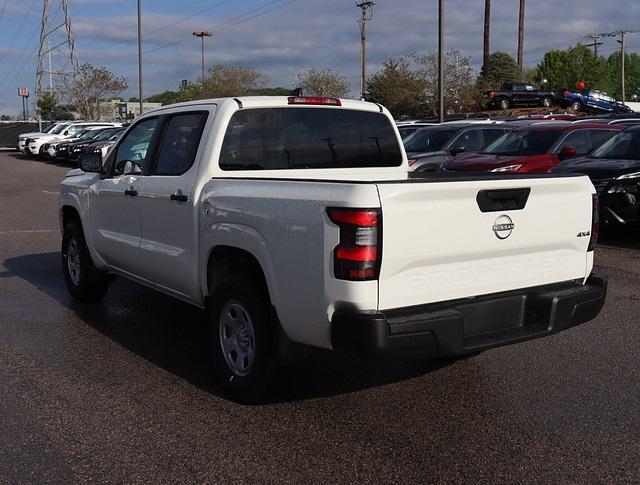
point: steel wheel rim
(237, 338)
(73, 262)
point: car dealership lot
(120, 392)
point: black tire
(503, 103)
(577, 105)
(241, 302)
(84, 281)
(546, 102)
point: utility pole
(595, 42)
(441, 60)
(487, 36)
(365, 16)
(202, 35)
(521, 40)
(622, 56)
(140, 55)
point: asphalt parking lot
(121, 392)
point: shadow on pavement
(620, 237)
(172, 335)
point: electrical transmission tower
(57, 58)
(365, 17)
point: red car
(535, 148)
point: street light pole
(441, 60)
(202, 35)
(140, 54)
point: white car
(36, 143)
(295, 220)
(53, 128)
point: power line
(13, 41)
(222, 26)
(4, 5)
(188, 17)
(19, 58)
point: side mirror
(91, 162)
(456, 150)
(66, 132)
(567, 152)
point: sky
(282, 37)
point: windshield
(58, 129)
(84, 134)
(526, 142)
(49, 128)
(428, 140)
(625, 145)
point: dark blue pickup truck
(590, 101)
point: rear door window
(492, 135)
(180, 143)
(294, 138)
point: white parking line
(29, 232)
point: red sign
(24, 92)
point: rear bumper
(470, 325)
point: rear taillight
(492, 94)
(357, 256)
(565, 94)
(314, 100)
(595, 222)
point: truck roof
(272, 102)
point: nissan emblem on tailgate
(503, 227)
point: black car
(614, 170)
(76, 148)
(428, 148)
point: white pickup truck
(295, 219)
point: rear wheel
(83, 280)
(504, 103)
(576, 105)
(239, 327)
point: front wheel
(83, 280)
(576, 106)
(546, 102)
(238, 320)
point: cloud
(324, 34)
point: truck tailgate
(438, 244)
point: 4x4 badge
(503, 227)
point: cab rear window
(298, 138)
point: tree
(226, 81)
(459, 88)
(501, 68)
(324, 83)
(564, 68)
(47, 104)
(631, 74)
(91, 85)
(167, 97)
(400, 88)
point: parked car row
(67, 141)
(607, 150)
(513, 95)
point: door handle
(179, 196)
(131, 192)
